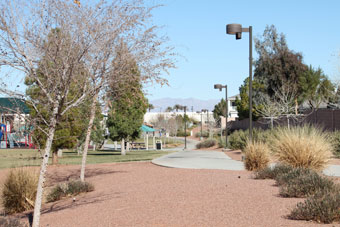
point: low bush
(238, 139)
(204, 134)
(19, 190)
(69, 189)
(323, 206)
(206, 143)
(182, 134)
(304, 183)
(256, 156)
(305, 147)
(292, 174)
(272, 172)
(10, 222)
(335, 140)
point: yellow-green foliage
(19, 190)
(256, 156)
(306, 147)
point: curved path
(200, 159)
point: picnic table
(138, 145)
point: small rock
(74, 199)
(239, 176)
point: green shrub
(272, 172)
(290, 175)
(69, 189)
(335, 140)
(182, 134)
(206, 143)
(256, 156)
(10, 222)
(323, 206)
(304, 184)
(239, 138)
(204, 134)
(305, 147)
(19, 190)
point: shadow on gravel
(66, 204)
(57, 177)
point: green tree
(128, 106)
(242, 103)
(69, 125)
(168, 109)
(276, 65)
(315, 87)
(220, 110)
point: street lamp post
(185, 128)
(200, 112)
(220, 86)
(236, 29)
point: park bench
(138, 145)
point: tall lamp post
(220, 86)
(206, 110)
(236, 29)
(185, 128)
(200, 112)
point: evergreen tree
(128, 102)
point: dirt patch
(143, 194)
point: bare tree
(86, 42)
(281, 104)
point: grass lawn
(30, 157)
(168, 141)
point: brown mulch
(143, 194)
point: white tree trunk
(154, 142)
(88, 136)
(122, 147)
(127, 146)
(115, 145)
(147, 142)
(43, 168)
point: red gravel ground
(143, 194)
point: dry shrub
(256, 156)
(69, 189)
(206, 143)
(11, 222)
(19, 190)
(323, 206)
(305, 147)
(272, 172)
(301, 183)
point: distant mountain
(196, 104)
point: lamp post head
(235, 29)
(218, 86)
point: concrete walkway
(199, 159)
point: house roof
(13, 105)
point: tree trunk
(296, 106)
(127, 146)
(43, 168)
(54, 158)
(122, 147)
(88, 136)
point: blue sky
(197, 30)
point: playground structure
(15, 139)
(14, 132)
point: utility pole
(185, 128)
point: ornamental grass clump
(256, 156)
(19, 190)
(305, 147)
